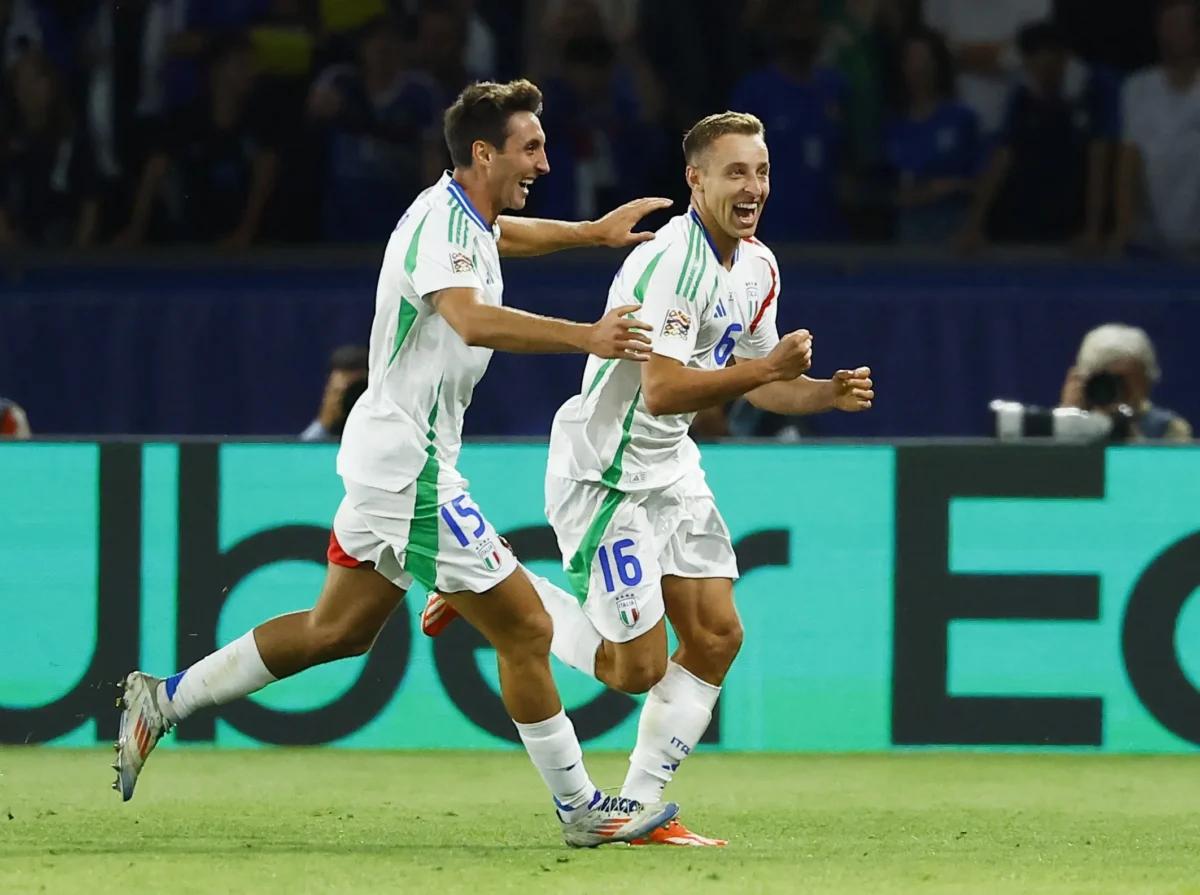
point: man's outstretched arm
(524, 237)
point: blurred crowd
(922, 122)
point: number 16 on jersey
(628, 569)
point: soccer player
(625, 492)
(407, 515)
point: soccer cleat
(611, 819)
(438, 614)
(142, 726)
(675, 833)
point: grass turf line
(344, 821)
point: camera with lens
(1103, 389)
(1013, 421)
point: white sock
(575, 640)
(233, 671)
(556, 753)
(674, 717)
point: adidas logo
(721, 312)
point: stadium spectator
(801, 103)
(284, 41)
(479, 51)
(217, 162)
(40, 25)
(442, 39)
(1116, 366)
(48, 186)
(195, 31)
(932, 145)
(14, 424)
(862, 42)
(1118, 34)
(126, 47)
(696, 49)
(1047, 181)
(385, 142)
(599, 133)
(346, 382)
(982, 35)
(1158, 174)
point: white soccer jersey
(701, 314)
(408, 423)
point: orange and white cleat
(675, 833)
(438, 614)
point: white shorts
(616, 547)
(448, 547)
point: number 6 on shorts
(629, 570)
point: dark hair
(1040, 36)
(481, 112)
(708, 130)
(350, 358)
(943, 62)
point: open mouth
(525, 185)
(745, 212)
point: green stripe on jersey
(464, 228)
(408, 316)
(410, 257)
(612, 475)
(580, 567)
(698, 275)
(687, 261)
(639, 292)
(604, 367)
(420, 554)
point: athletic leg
(679, 708)
(361, 591)
(511, 617)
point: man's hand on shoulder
(615, 229)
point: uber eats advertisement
(893, 597)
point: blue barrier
(241, 350)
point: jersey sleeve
(444, 258)
(763, 335)
(664, 288)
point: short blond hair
(708, 130)
(1117, 341)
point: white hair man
(1117, 365)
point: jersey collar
(707, 238)
(472, 212)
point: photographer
(1117, 367)
(346, 383)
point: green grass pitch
(340, 821)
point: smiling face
(494, 131)
(519, 162)
(731, 178)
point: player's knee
(530, 638)
(341, 640)
(716, 646)
(638, 673)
